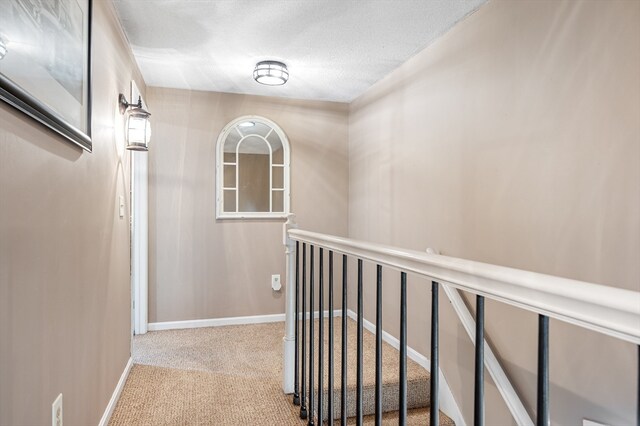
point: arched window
(252, 170)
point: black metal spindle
(303, 400)
(321, 339)
(402, 404)
(478, 404)
(543, 371)
(311, 342)
(296, 382)
(359, 412)
(343, 389)
(378, 392)
(435, 399)
(330, 402)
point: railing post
(435, 367)
(543, 372)
(360, 356)
(311, 406)
(289, 345)
(478, 405)
(296, 383)
(402, 404)
(330, 401)
(343, 355)
(303, 373)
(378, 391)
(321, 338)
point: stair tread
(416, 417)
(417, 377)
(390, 358)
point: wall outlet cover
(276, 285)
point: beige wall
(200, 267)
(64, 252)
(515, 140)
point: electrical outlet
(275, 282)
(56, 411)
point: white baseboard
(217, 322)
(104, 421)
(447, 403)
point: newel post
(289, 348)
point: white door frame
(139, 233)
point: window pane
(254, 145)
(278, 201)
(276, 147)
(229, 202)
(229, 157)
(278, 177)
(229, 176)
(253, 182)
(257, 129)
(230, 142)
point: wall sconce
(138, 126)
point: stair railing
(608, 310)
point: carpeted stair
(417, 377)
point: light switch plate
(121, 206)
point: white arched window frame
(222, 191)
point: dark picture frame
(49, 75)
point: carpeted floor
(222, 376)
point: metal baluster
(296, 385)
(343, 389)
(303, 400)
(359, 412)
(402, 404)
(321, 339)
(330, 402)
(478, 404)
(543, 371)
(311, 342)
(378, 393)
(435, 402)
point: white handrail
(608, 310)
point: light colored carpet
(222, 376)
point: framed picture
(45, 63)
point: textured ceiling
(334, 49)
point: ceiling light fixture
(247, 124)
(3, 48)
(271, 73)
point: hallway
(228, 375)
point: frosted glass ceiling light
(3, 48)
(138, 127)
(271, 73)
